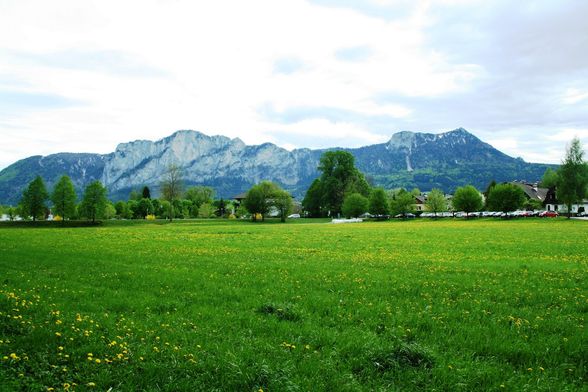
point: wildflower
(58, 334)
(60, 348)
(13, 356)
(91, 384)
(530, 369)
(97, 360)
(541, 368)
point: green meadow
(442, 305)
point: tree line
(340, 190)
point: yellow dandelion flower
(58, 334)
(97, 360)
(91, 384)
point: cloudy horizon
(86, 76)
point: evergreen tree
(146, 193)
(34, 199)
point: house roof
(240, 196)
(532, 191)
(420, 199)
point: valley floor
(225, 305)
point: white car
(294, 216)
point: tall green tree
(506, 198)
(312, 201)
(378, 202)
(256, 202)
(64, 198)
(172, 187)
(339, 177)
(144, 208)
(354, 205)
(467, 199)
(262, 197)
(401, 202)
(549, 179)
(282, 201)
(198, 195)
(122, 210)
(436, 201)
(146, 192)
(34, 199)
(94, 201)
(572, 176)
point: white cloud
(574, 95)
(143, 69)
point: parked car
(549, 214)
(294, 216)
(583, 213)
(408, 215)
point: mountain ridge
(410, 159)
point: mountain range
(424, 160)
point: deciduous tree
(436, 201)
(467, 199)
(572, 176)
(354, 205)
(339, 177)
(312, 201)
(171, 187)
(34, 199)
(549, 179)
(401, 202)
(282, 201)
(505, 198)
(94, 201)
(378, 202)
(64, 198)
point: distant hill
(423, 160)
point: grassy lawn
(219, 305)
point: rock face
(423, 160)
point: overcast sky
(83, 76)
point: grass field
(219, 305)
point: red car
(549, 214)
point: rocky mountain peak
(408, 159)
(403, 139)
